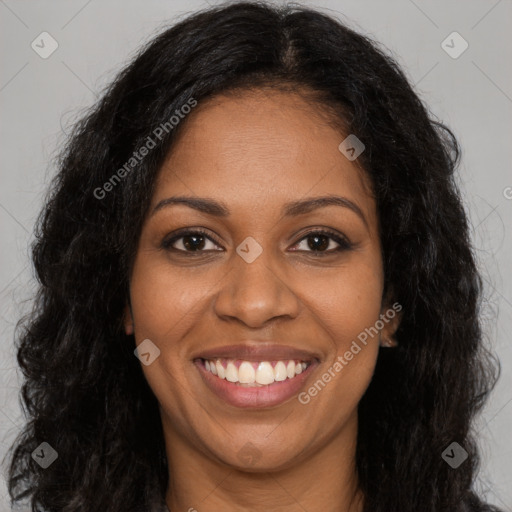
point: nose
(254, 293)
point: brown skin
(254, 153)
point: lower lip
(246, 397)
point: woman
(262, 212)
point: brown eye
(318, 242)
(190, 241)
(323, 242)
(193, 242)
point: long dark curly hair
(84, 392)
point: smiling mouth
(254, 373)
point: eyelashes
(194, 242)
(196, 233)
(322, 234)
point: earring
(388, 343)
(128, 320)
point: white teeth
(290, 369)
(279, 371)
(231, 373)
(263, 375)
(246, 373)
(220, 370)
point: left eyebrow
(308, 205)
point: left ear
(390, 316)
(128, 320)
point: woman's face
(259, 291)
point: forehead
(260, 147)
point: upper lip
(261, 352)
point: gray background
(40, 99)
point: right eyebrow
(204, 205)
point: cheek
(346, 311)
(164, 299)
(347, 307)
(347, 301)
(166, 305)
